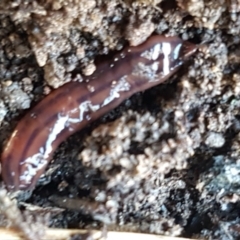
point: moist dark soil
(167, 160)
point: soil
(167, 160)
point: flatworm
(74, 105)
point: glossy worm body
(75, 104)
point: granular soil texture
(167, 160)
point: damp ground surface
(167, 160)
